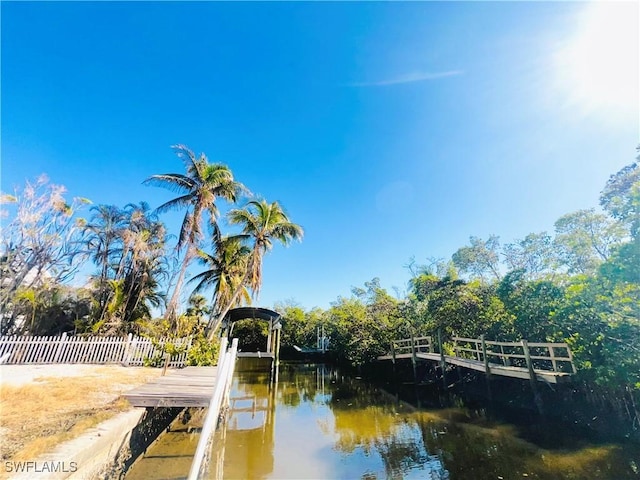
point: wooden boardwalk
(187, 387)
(544, 362)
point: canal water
(313, 422)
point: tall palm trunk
(216, 320)
(172, 306)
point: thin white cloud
(409, 78)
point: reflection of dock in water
(249, 427)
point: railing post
(414, 359)
(487, 370)
(532, 377)
(167, 357)
(443, 364)
(570, 355)
(505, 361)
(393, 352)
(527, 357)
(552, 354)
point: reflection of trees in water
(377, 429)
(369, 419)
(476, 448)
(302, 383)
(471, 446)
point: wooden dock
(187, 387)
(258, 354)
(544, 362)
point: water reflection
(316, 423)
(328, 426)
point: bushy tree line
(138, 267)
(580, 286)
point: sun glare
(598, 67)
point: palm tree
(145, 243)
(199, 189)
(131, 258)
(197, 307)
(261, 223)
(103, 236)
(226, 269)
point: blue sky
(387, 130)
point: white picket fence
(130, 350)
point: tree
(296, 328)
(531, 305)
(42, 241)
(104, 231)
(197, 307)
(621, 197)
(262, 223)
(534, 255)
(353, 334)
(480, 258)
(144, 241)
(128, 247)
(202, 185)
(226, 269)
(584, 240)
(455, 306)
(598, 318)
(51, 309)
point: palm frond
(182, 201)
(175, 182)
(187, 156)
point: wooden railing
(555, 357)
(410, 345)
(130, 350)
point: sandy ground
(55, 401)
(16, 375)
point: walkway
(546, 362)
(187, 387)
